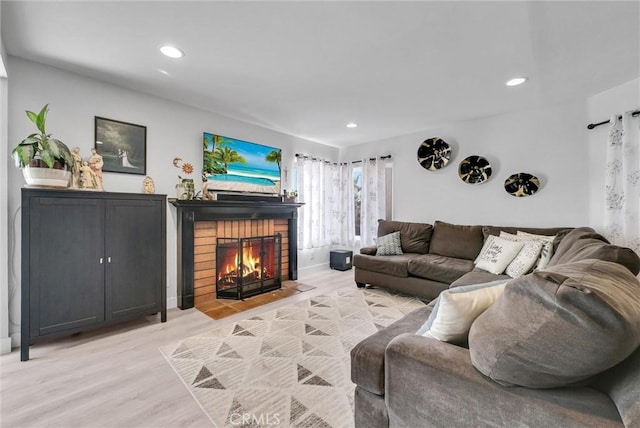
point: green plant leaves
(23, 154)
(40, 144)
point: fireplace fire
(247, 266)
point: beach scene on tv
(240, 166)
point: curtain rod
(300, 155)
(593, 125)
(372, 159)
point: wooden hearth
(200, 222)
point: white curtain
(622, 183)
(373, 199)
(326, 189)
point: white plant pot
(35, 176)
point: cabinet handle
(109, 259)
(101, 260)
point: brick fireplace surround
(200, 223)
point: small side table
(340, 259)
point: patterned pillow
(547, 248)
(497, 253)
(389, 245)
(526, 258)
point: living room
(541, 128)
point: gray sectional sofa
(559, 348)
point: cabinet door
(135, 245)
(66, 244)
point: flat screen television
(232, 165)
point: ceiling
(308, 68)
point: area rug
(289, 367)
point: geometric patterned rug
(289, 367)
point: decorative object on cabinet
(122, 145)
(185, 189)
(434, 153)
(45, 161)
(86, 174)
(148, 186)
(522, 184)
(112, 269)
(474, 170)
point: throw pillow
(389, 245)
(525, 260)
(560, 326)
(457, 308)
(497, 253)
(547, 248)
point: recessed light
(516, 81)
(171, 51)
(352, 125)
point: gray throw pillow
(389, 245)
(560, 326)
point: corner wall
(550, 143)
(172, 130)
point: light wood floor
(117, 377)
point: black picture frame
(122, 145)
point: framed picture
(123, 146)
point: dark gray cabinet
(88, 260)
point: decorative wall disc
(434, 153)
(474, 170)
(522, 184)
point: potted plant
(45, 161)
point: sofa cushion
(560, 326)
(414, 237)
(367, 357)
(547, 231)
(584, 243)
(391, 265)
(389, 245)
(462, 242)
(439, 268)
(457, 308)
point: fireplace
(200, 222)
(247, 266)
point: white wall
(5, 341)
(172, 130)
(601, 107)
(549, 143)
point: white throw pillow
(497, 253)
(456, 311)
(547, 248)
(526, 258)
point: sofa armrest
(429, 383)
(369, 251)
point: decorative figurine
(76, 168)
(96, 163)
(148, 186)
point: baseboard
(172, 302)
(5, 345)
(15, 340)
(314, 268)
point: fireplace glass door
(247, 266)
